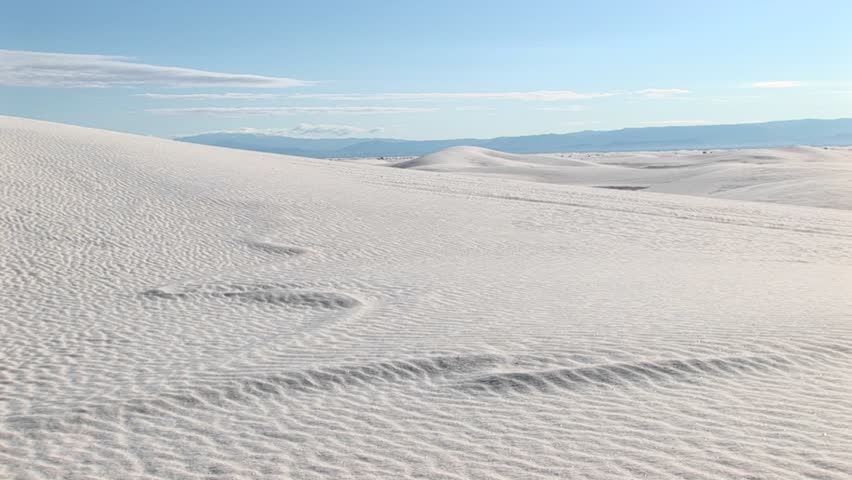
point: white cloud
(536, 95)
(309, 130)
(662, 92)
(665, 123)
(240, 111)
(305, 130)
(208, 96)
(23, 68)
(777, 84)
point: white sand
(808, 176)
(170, 310)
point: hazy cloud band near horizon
(302, 130)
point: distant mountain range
(768, 134)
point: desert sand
(797, 175)
(177, 311)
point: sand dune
(807, 176)
(170, 310)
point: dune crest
(800, 175)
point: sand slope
(170, 310)
(808, 176)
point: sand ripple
(174, 311)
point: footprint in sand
(271, 293)
(275, 248)
(274, 293)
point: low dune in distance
(800, 175)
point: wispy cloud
(209, 96)
(581, 122)
(304, 130)
(309, 130)
(662, 92)
(532, 96)
(668, 123)
(240, 111)
(24, 68)
(566, 108)
(535, 95)
(777, 84)
(474, 108)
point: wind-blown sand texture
(170, 310)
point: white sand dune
(807, 176)
(170, 310)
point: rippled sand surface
(177, 311)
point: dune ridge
(798, 175)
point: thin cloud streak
(302, 130)
(309, 130)
(208, 96)
(536, 95)
(474, 108)
(533, 96)
(45, 69)
(662, 92)
(241, 111)
(672, 123)
(777, 84)
(567, 108)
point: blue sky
(431, 69)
